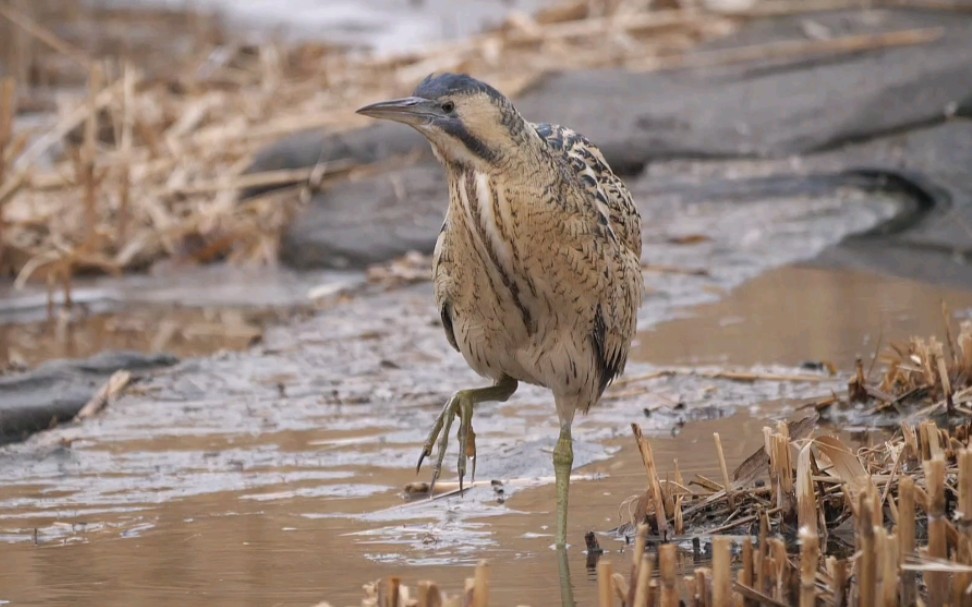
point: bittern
(536, 270)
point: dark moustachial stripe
(473, 144)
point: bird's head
(467, 121)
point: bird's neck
(521, 156)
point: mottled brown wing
(619, 287)
(596, 177)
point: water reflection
(800, 314)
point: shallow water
(180, 499)
(188, 311)
(812, 314)
(225, 546)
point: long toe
(448, 412)
(471, 450)
(465, 433)
(443, 445)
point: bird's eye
(448, 107)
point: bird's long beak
(410, 110)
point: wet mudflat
(248, 479)
(184, 312)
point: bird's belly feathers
(495, 341)
(505, 318)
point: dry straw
(149, 163)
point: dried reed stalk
(129, 79)
(642, 589)
(906, 538)
(785, 498)
(87, 177)
(837, 569)
(621, 587)
(806, 497)
(780, 563)
(395, 583)
(429, 594)
(888, 552)
(721, 570)
(701, 587)
(605, 597)
(481, 588)
(637, 558)
(762, 553)
(726, 482)
(936, 581)
(648, 459)
(809, 555)
(867, 561)
(746, 574)
(666, 567)
(962, 581)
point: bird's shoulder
(595, 176)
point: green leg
(461, 405)
(566, 587)
(563, 461)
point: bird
(537, 266)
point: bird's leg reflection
(566, 587)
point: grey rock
(768, 109)
(929, 237)
(305, 149)
(308, 148)
(375, 219)
(936, 244)
(55, 391)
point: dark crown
(435, 86)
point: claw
(434, 433)
(461, 405)
(448, 414)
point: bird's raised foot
(461, 406)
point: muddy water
(234, 547)
(174, 330)
(812, 314)
(188, 311)
(286, 490)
